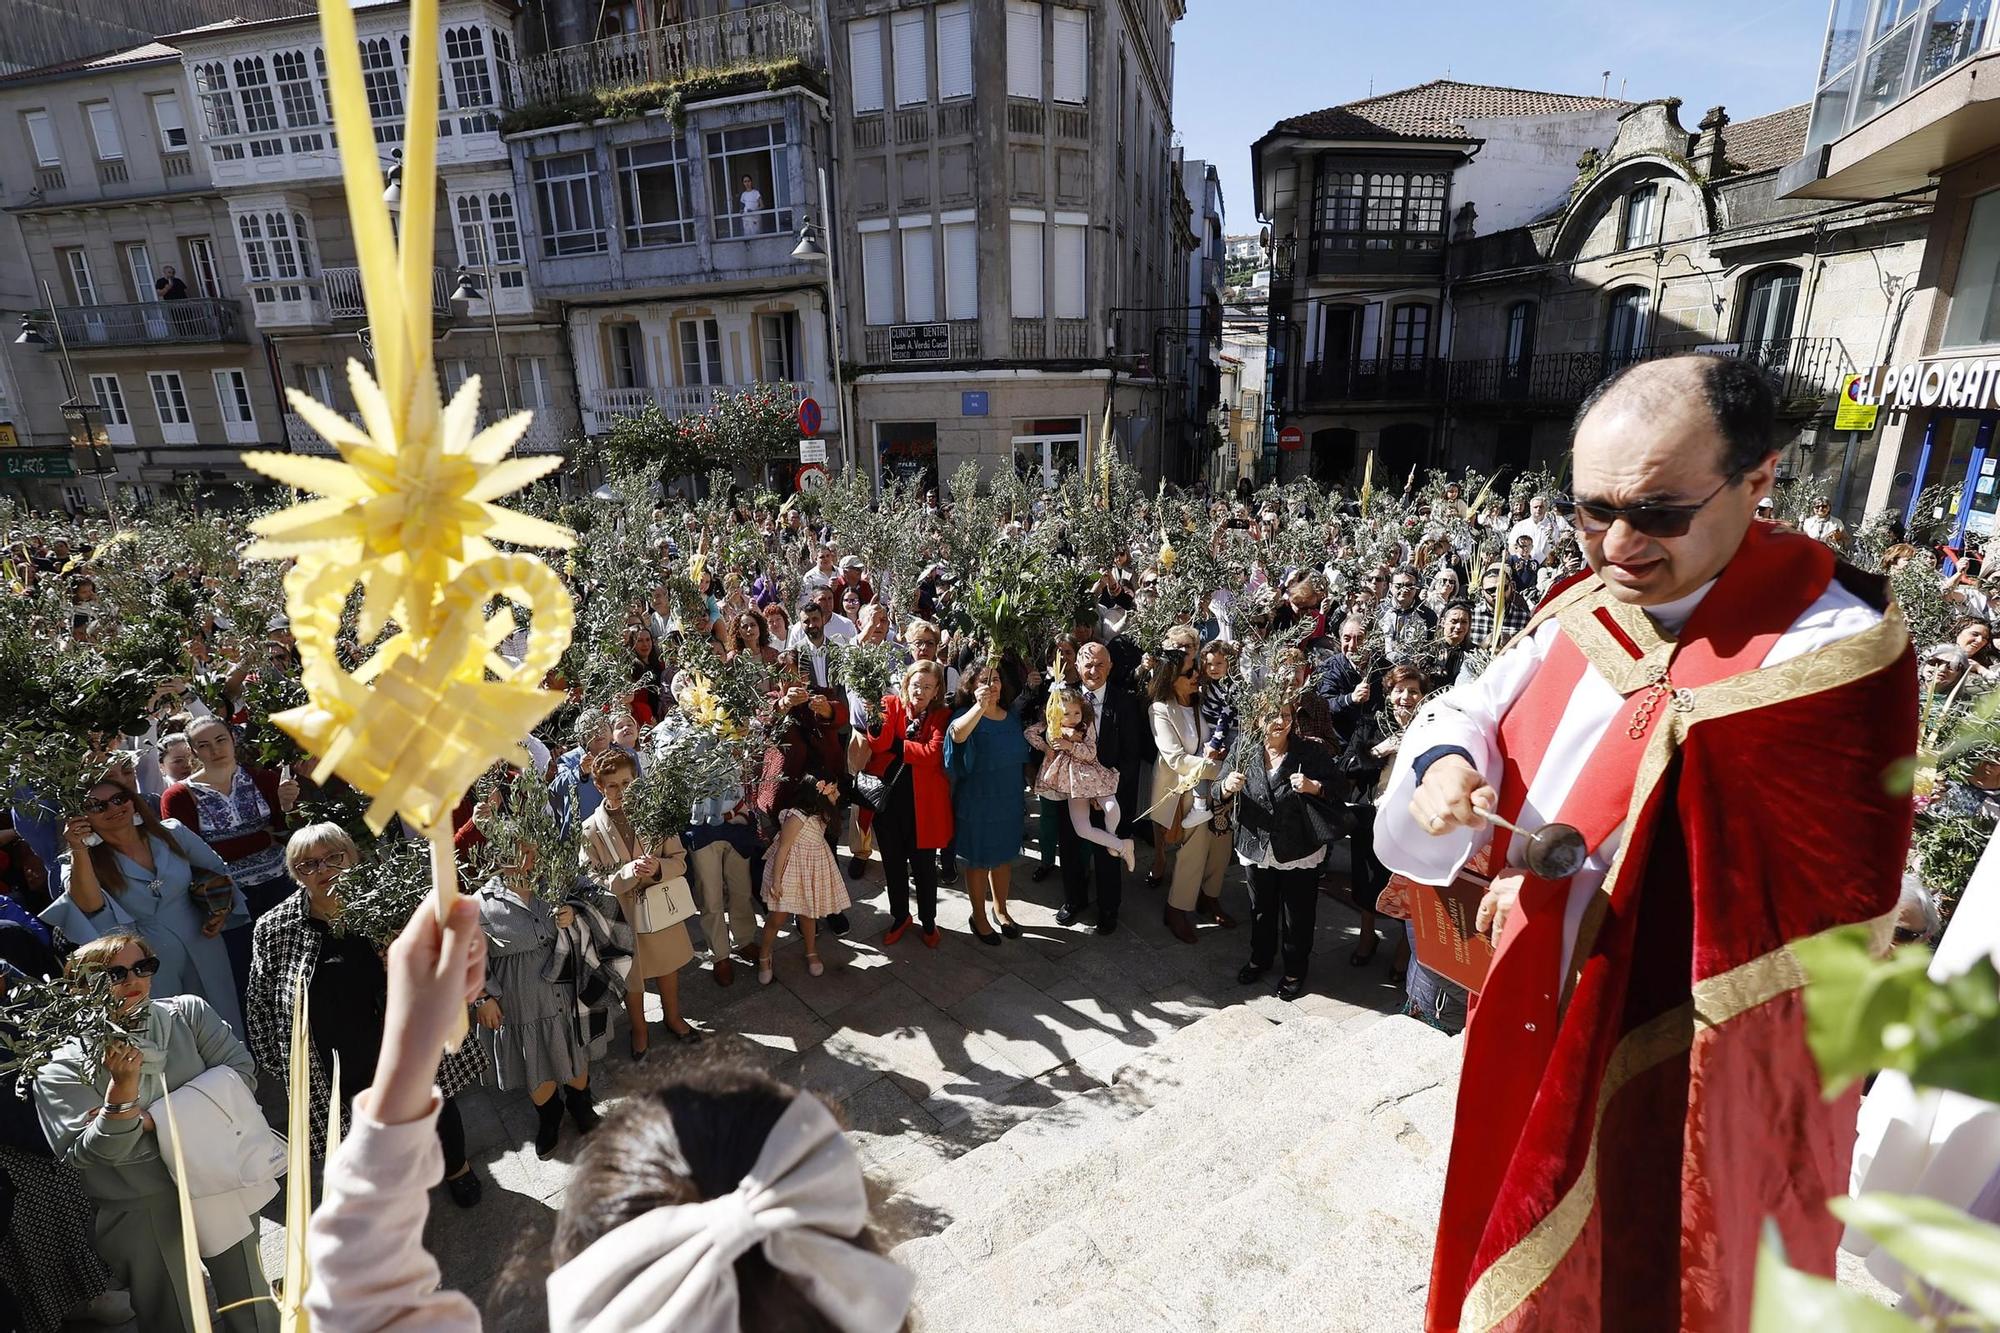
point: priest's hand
(1452, 796)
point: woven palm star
(405, 513)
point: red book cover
(1447, 942)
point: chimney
(1710, 156)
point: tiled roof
(1434, 110)
(130, 55)
(1764, 142)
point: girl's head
(625, 730)
(1973, 634)
(778, 621)
(1218, 659)
(614, 775)
(1405, 687)
(1070, 707)
(316, 854)
(850, 603)
(125, 960)
(751, 631)
(922, 686)
(176, 757)
(214, 747)
(640, 640)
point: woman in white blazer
(1201, 854)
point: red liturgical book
(1447, 942)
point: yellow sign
(1853, 414)
(9, 438)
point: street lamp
(810, 250)
(468, 289)
(76, 411)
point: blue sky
(1243, 65)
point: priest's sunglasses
(1654, 520)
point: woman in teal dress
(985, 753)
(126, 870)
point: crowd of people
(1198, 727)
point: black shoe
(950, 875)
(1067, 915)
(465, 1190)
(1042, 870)
(1248, 976)
(580, 1108)
(1291, 988)
(987, 937)
(1106, 924)
(835, 923)
(692, 1037)
(856, 867)
(1010, 930)
(548, 1127)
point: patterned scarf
(593, 957)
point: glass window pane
(1887, 72)
(1952, 31)
(1975, 314)
(1843, 36)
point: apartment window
(316, 381)
(473, 250)
(104, 131)
(749, 172)
(1072, 55)
(1067, 253)
(1409, 336)
(777, 346)
(864, 61)
(1024, 246)
(384, 87)
(1625, 325)
(201, 263)
(139, 263)
(1024, 49)
(471, 78)
(276, 249)
(628, 356)
(1770, 300)
(167, 115)
(170, 398)
(295, 89)
(232, 391)
(701, 351)
(878, 275)
(1520, 336)
(253, 92)
(954, 50)
(452, 376)
(110, 396)
(1381, 210)
(1641, 217)
(531, 381)
(218, 103)
(654, 196)
(961, 269)
(572, 220)
(42, 138)
(76, 268)
(505, 230)
(256, 255)
(913, 74)
(919, 262)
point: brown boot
(1207, 908)
(1179, 923)
(725, 971)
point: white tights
(1079, 819)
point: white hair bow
(675, 1268)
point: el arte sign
(1965, 384)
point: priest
(1719, 707)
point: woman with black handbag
(1287, 811)
(913, 808)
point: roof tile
(1764, 142)
(1434, 110)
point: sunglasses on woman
(97, 807)
(145, 967)
(1653, 520)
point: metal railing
(144, 322)
(1029, 339)
(603, 406)
(738, 39)
(344, 299)
(1802, 370)
(1398, 377)
(548, 433)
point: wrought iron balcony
(344, 299)
(147, 322)
(1342, 254)
(718, 44)
(601, 407)
(1803, 371)
(1382, 379)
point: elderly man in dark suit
(1121, 737)
(1346, 680)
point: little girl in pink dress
(801, 877)
(1071, 773)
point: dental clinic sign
(1967, 384)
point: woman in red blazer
(915, 820)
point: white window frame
(1649, 221)
(878, 272)
(626, 337)
(1069, 232)
(706, 346)
(639, 232)
(917, 242)
(137, 256)
(201, 263)
(255, 95)
(864, 66)
(569, 208)
(318, 377)
(382, 80)
(109, 394)
(297, 84)
(233, 400)
(171, 406)
(83, 284)
(961, 263)
(778, 331)
(102, 118)
(172, 127)
(1026, 232)
(42, 140)
(910, 44)
(954, 50)
(775, 217)
(531, 383)
(470, 76)
(1024, 50)
(1072, 56)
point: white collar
(1673, 616)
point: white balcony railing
(345, 301)
(601, 407)
(550, 431)
(717, 44)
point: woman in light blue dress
(125, 870)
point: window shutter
(954, 50)
(913, 75)
(1072, 50)
(1067, 261)
(878, 278)
(42, 133)
(864, 57)
(961, 270)
(1025, 254)
(919, 286)
(1024, 49)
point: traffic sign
(1851, 414)
(812, 451)
(1291, 437)
(810, 476)
(809, 419)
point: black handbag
(871, 791)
